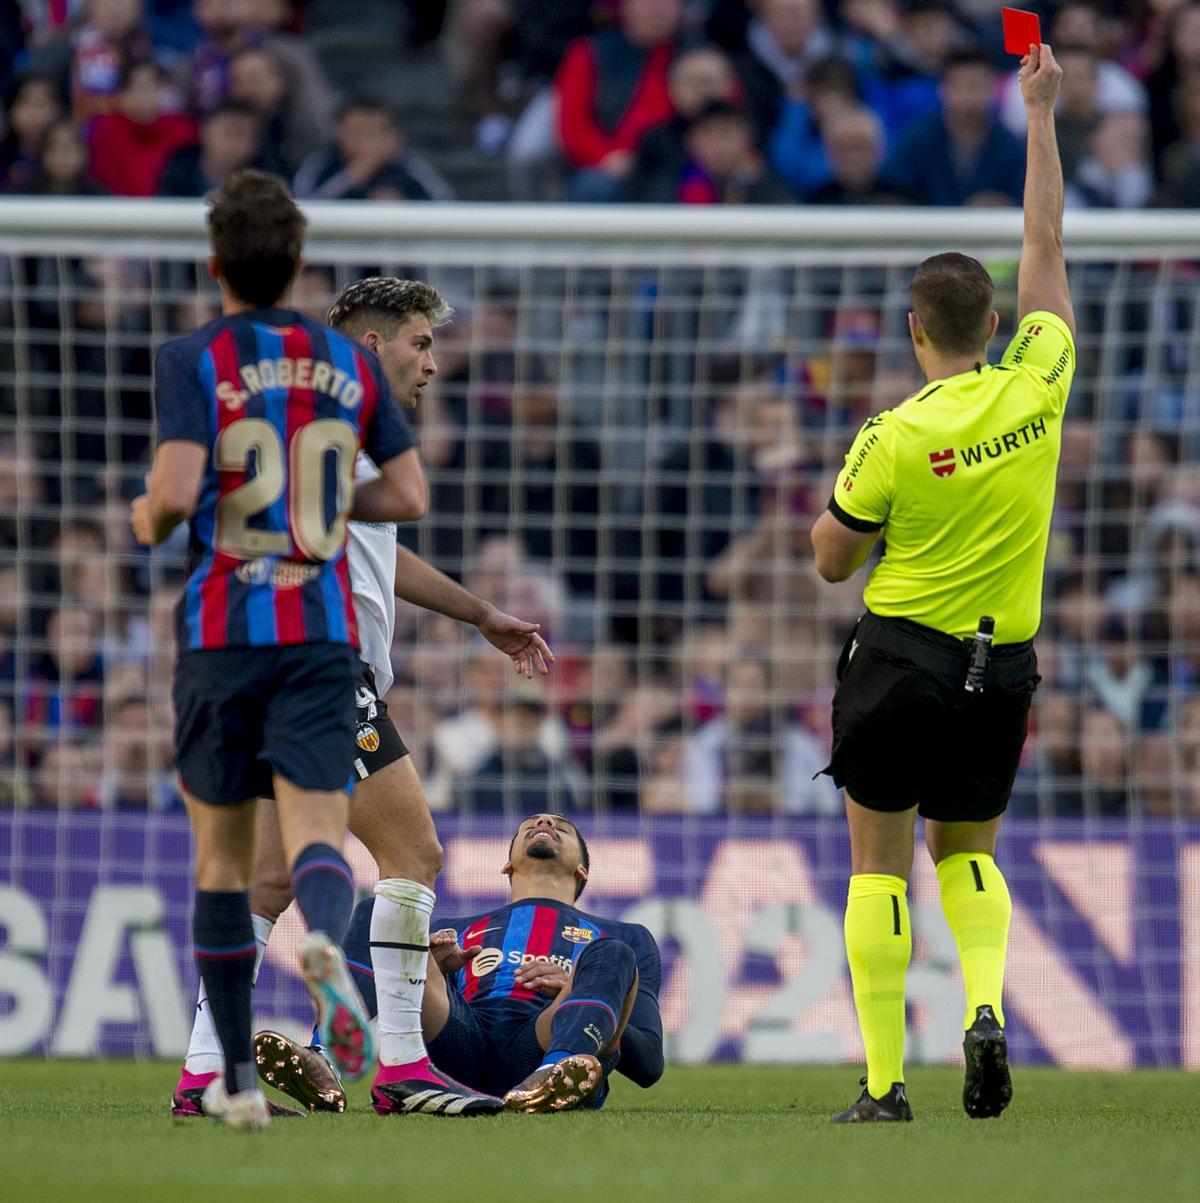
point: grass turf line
(100, 1131)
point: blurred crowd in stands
(632, 457)
(667, 101)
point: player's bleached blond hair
(385, 303)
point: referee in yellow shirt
(935, 684)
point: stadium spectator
(257, 79)
(525, 462)
(63, 777)
(466, 742)
(664, 790)
(611, 89)
(696, 78)
(62, 167)
(90, 62)
(855, 150)
(230, 139)
(961, 155)
(1123, 680)
(306, 111)
(48, 21)
(519, 777)
(13, 609)
(12, 788)
(782, 41)
(229, 26)
(912, 55)
(1104, 756)
(723, 166)
(702, 489)
(1079, 25)
(65, 687)
(613, 721)
(837, 386)
(1184, 619)
(1181, 159)
(753, 759)
(1116, 173)
(368, 161)
(136, 759)
(1078, 112)
(222, 35)
(1049, 783)
(34, 105)
(131, 146)
(1180, 63)
(12, 37)
(92, 573)
(797, 144)
(512, 46)
(501, 566)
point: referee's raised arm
(1042, 278)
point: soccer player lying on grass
(535, 1000)
(395, 319)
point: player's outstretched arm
(422, 585)
(1042, 278)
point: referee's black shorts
(907, 733)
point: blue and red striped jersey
(539, 929)
(283, 404)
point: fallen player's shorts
(377, 743)
(907, 733)
(493, 1051)
(243, 713)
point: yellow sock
(977, 907)
(878, 947)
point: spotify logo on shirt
(487, 962)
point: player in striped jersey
(537, 999)
(261, 415)
(396, 319)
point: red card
(1021, 30)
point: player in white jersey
(388, 811)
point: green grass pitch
(100, 1131)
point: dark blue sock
(600, 983)
(357, 947)
(324, 890)
(223, 937)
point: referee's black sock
(324, 890)
(601, 980)
(223, 937)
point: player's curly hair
(257, 233)
(385, 303)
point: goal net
(636, 419)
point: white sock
(401, 917)
(204, 1055)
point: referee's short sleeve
(1044, 349)
(862, 496)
